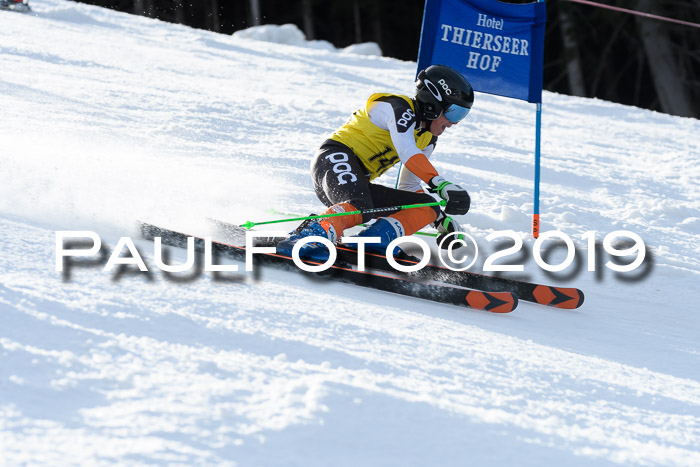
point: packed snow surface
(109, 118)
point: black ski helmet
(439, 86)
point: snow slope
(108, 118)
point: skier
(390, 128)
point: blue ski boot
(313, 251)
(387, 229)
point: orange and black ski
(558, 297)
(494, 302)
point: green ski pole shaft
(280, 213)
(249, 224)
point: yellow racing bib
(373, 145)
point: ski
(496, 302)
(547, 295)
(553, 296)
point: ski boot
(313, 251)
(387, 229)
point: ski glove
(457, 198)
(445, 225)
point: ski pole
(249, 224)
(280, 213)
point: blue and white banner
(498, 46)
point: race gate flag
(498, 46)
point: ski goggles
(454, 113)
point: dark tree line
(625, 58)
(589, 51)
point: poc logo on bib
(405, 118)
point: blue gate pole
(538, 131)
(536, 212)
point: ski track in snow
(110, 118)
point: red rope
(638, 13)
